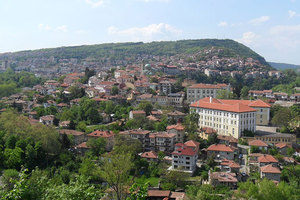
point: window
(187, 163)
(187, 158)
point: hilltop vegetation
(121, 50)
(283, 66)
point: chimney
(210, 99)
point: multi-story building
(199, 91)
(226, 119)
(162, 141)
(165, 86)
(185, 156)
(140, 134)
(177, 129)
(221, 151)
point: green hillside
(120, 50)
(283, 66)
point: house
(223, 178)
(259, 143)
(176, 116)
(282, 147)
(295, 97)
(221, 151)
(165, 195)
(230, 166)
(205, 132)
(47, 120)
(227, 140)
(185, 156)
(140, 134)
(165, 86)
(79, 137)
(150, 156)
(177, 129)
(107, 135)
(272, 138)
(64, 124)
(266, 160)
(136, 114)
(270, 172)
(282, 96)
(162, 141)
(81, 148)
(157, 113)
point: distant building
(200, 91)
(185, 156)
(223, 178)
(270, 172)
(221, 151)
(107, 135)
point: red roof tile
(270, 169)
(220, 147)
(267, 159)
(150, 154)
(208, 86)
(159, 193)
(258, 143)
(178, 127)
(104, 134)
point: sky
(269, 27)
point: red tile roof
(208, 130)
(230, 163)
(178, 127)
(220, 147)
(159, 193)
(189, 148)
(258, 143)
(267, 159)
(218, 105)
(104, 134)
(150, 154)
(162, 135)
(136, 112)
(270, 169)
(224, 177)
(82, 146)
(281, 145)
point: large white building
(200, 91)
(229, 119)
(185, 156)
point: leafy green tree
(146, 106)
(97, 146)
(282, 117)
(13, 158)
(191, 122)
(225, 94)
(115, 171)
(138, 192)
(114, 90)
(244, 92)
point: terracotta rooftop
(176, 113)
(220, 147)
(267, 159)
(162, 135)
(212, 103)
(159, 193)
(230, 163)
(150, 154)
(178, 127)
(224, 177)
(227, 138)
(270, 169)
(208, 130)
(138, 112)
(258, 143)
(82, 146)
(104, 134)
(281, 145)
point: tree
(138, 192)
(244, 92)
(282, 117)
(146, 106)
(190, 122)
(114, 90)
(225, 94)
(173, 180)
(115, 171)
(97, 146)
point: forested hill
(120, 50)
(283, 66)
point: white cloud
(222, 24)
(46, 27)
(248, 38)
(286, 30)
(260, 20)
(94, 3)
(292, 14)
(147, 33)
